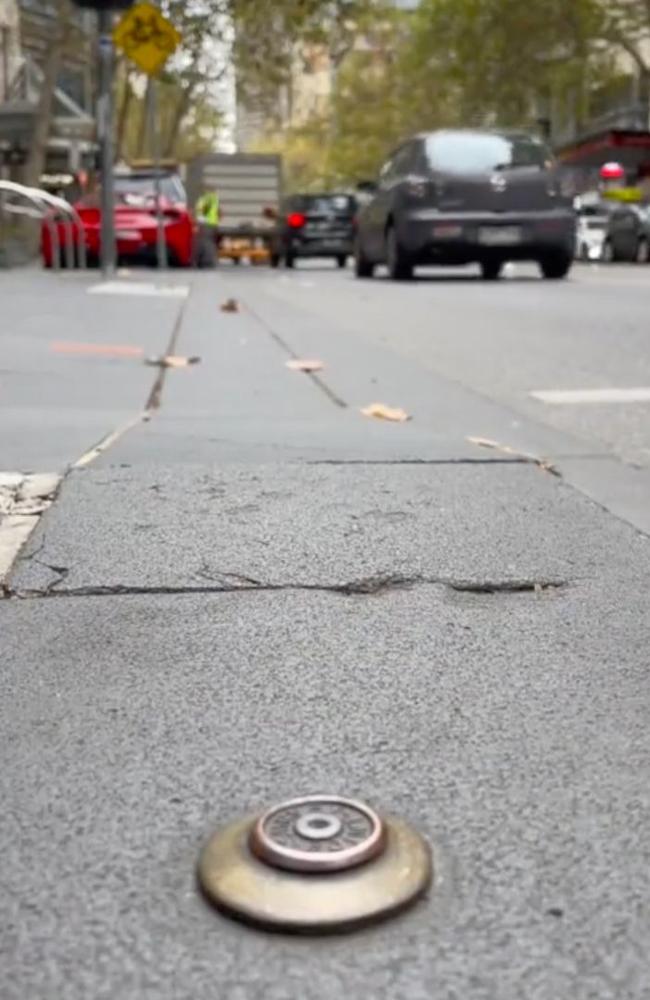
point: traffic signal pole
(154, 142)
(105, 136)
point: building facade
(27, 29)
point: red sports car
(135, 221)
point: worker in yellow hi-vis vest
(207, 217)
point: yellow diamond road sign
(146, 37)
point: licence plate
(127, 234)
(499, 236)
(447, 232)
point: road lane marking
(106, 350)
(574, 397)
(139, 288)
(110, 439)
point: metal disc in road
(367, 867)
(318, 834)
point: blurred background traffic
(222, 145)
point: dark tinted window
(587, 211)
(404, 160)
(325, 204)
(475, 153)
(142, 186)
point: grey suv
(464, 196)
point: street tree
(625, 24)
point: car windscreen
(475, 153)
(143, 187)
(330, 204)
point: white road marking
(139, 288)
(640, 394)
(109, 440)
(22, 501)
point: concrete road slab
(34, 438)
(335, 435)
(504, 339)
(59, 395)
(361, 366)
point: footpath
(241, 590)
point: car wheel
(341, 260)
(275, 260)
(400, 267)
(363, 268)
(555, 266)
(491, 269)
(289, 261)
(642, 251)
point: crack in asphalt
(155, 395)
(515, 460)
(318, 381)
(366, 586)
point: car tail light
(296, 220)
(416, 186)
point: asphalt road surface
(246, 590)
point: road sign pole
(105, 136)
(154, 139)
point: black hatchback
(315, 225)
(467, 196)
(628, 234)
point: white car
(590, 237)
(592, 217)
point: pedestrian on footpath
(207, 216)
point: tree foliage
(269, 40)
(392, 72)
(625, 25)
(467, 62)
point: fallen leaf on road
(489, 443)
(172, 361)
(382, 412)
(305, 365)
(230, 306)
(543, 463)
